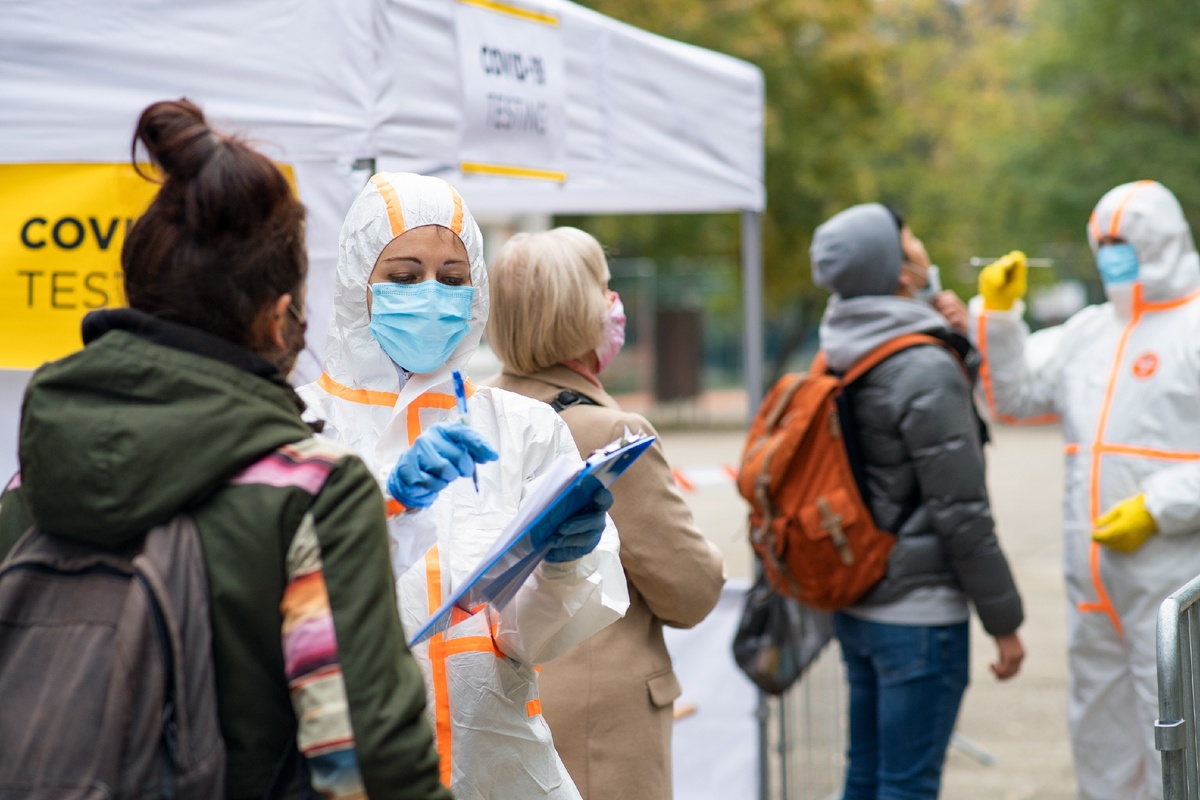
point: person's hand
(580, 533)
(1011, 654)
(1126, 526)
(949, 305)
(1002, 283)
(445, 452)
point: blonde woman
(555, 326)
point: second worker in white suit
(410, 304)
(1124, 377)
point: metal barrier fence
(1176, 733)
(804, 756)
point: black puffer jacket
(919, 442)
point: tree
(821, 62)
(1118, 99)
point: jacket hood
(857, 252)
(388, 206)
(1147, 215)
(852, 328)
(140, 425)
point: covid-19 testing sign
(61, 231)
(514, 79)
(62, 227)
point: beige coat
(610, 700)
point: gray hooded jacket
(919, 440)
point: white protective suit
(1125, 379)
(480, 675)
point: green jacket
(153, 418)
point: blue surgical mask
(419, 325)
(1118, 263)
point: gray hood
(852, 328)
(857, 252)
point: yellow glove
(1003, 282)
(1125, 526)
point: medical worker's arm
(562, 604)
(1172, 493)
(1020, 374)
(341, 552)
(941, 436)
(1173, 498)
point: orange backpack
(809, 524)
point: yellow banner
(62, 227)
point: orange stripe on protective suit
(365, 397)
(456, 222)
(1166, 305)
(1104, 603)
(395, 210)
(431, 400)
(440, 649)
(1115, 227)
(985, 379)
(437, 662)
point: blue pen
(460, 397)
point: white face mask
(612, 336)
(932, 287)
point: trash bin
(678, 353)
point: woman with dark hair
(180, 403)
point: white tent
(528, 106)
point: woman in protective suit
(1124, 377)
(410, 304)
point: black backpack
(106, 673)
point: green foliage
(993, 124)
(821, 64)
(1118, 86)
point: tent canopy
(644, 124)
(527, 106)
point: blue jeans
(906, 684)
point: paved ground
(1022, 723)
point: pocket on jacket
(664, 688)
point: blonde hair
(548, 298)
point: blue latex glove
(579, 534)
(445, 452)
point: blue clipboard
(503, 571)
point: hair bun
(177, 137)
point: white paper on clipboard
(566, 488)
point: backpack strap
(567, 398)
(893, 346)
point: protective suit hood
(388, 206)
(1147, 215)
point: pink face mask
(612, 337)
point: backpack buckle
(831, 523)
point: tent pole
(752, 306)
(752, 311)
